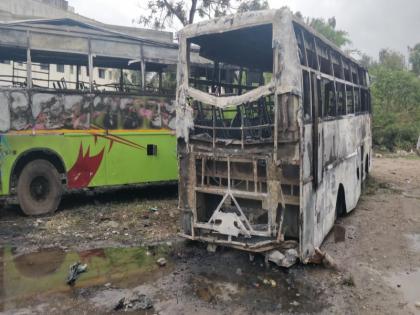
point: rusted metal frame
(13, 73)
(77, 77)
(353, 88)
(211, 226)
(307, 65)
(276, 105)
(90, 63)
(331, 78)
(28, 61)
(237, 177)
(305, 54)
(234, 128)
(345, 84)
(227, 85)
(120, 37)
(229, 175)
(242, 131)
(160, 81)
(318, 64)
(143, 74)
(318, 74)
(238, 193)
(214, 126)
(255, 172)
(203, 169)
(232, 158)
(358, 89)
(49, 75)
(258, 247)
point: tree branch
(192, 11)
(174, 12)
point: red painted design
(85, 168)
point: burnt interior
(232, 172)
(242, 61)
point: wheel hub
(39, 188)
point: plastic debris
(75, 270)
(161, 262)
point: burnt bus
(275, 141)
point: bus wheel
(39, 188)
(340, 208)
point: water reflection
(37, 274)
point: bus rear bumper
(282, 253)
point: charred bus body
(275, 142)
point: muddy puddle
(192, 282)
(33, 278)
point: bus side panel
(308, 197)
(343, 139)
(83, 155)
(151, 157)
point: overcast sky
(371, 24)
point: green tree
(167, 13)
(328, 28)
(253, 5)
(396, 107)
(366, 61)
(392, 59)
(415, 58)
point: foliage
(396, 106)
(366, 61)
(415, 58)
(392, 59)
(328, 29)
(253, 5)
(162, 14)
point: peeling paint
(258, 171)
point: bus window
(365, 101)
(321, 93)
(357, 101)
(341, 102)
(329, 98)
(350, 99)
(306, 96)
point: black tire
(39, 188)
(340, 207)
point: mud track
(116, 234)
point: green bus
(60, 135)
(102, 140)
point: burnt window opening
(239, 61)
(357, 101)
(341, 100)
(253, 121)
(307, 110)
(350, 99)
(328, 98)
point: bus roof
(253, 19)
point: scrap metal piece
(286, 260)
(229, 224)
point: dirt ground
(116, 234)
